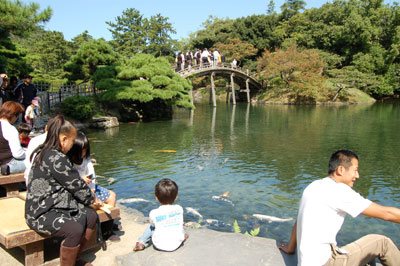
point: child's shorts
(102, 193)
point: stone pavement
(208, 247)
(204, 247)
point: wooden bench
(14, 232)
(10, 183)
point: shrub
(78, 107)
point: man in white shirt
(323, 208)
(204, 57)
(216, 57)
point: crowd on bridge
(201, 58)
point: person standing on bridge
(189, 57)
(178, 61)
(216, 57)
(204, 57)
(234, 63)
(182, 54)
(197, 56)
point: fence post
(60, 92)
(48, 101)
(94, 89)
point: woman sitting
(12, 155)
(57, 202)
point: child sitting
(24, 129)
(166, 222)
(79, 155)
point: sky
(72, 17)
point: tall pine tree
(292, 7)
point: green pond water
(264, 155)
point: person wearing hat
(30, 113)
(26, 91)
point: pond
(264, 155)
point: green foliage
(297, 72)
(89, 56)
(18, 19)
(236, 229)
(78, 107)
(78, 40)
(235, 49)
(291, 8)
(360, 37)
(132, 33)
(215, 30)
(47, 55)
(143, 78)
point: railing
(208, 66)
(52, 94)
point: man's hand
(285, 248)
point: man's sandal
(139, 247)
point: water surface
(263, 155)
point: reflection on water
(263, 155)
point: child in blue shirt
(166, 222)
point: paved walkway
(204, 247)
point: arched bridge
(222, 69)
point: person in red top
(24, 129)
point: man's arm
(390, 214)
(290, 248)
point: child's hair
(56, 127)
(24, 128)
(81, 143)
(166, 191)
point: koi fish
(271, 219)
(201, 168)
(193, 211)
(132, 200)
(222, 198)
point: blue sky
(72, 17)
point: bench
(18, 234)
(10, 183)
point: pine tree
(129, 32)
(17, 19)
(159, 38)
(292, 7)
(89, 56)
(271, 7)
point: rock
(104, 122)
(208, 247)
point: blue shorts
(102, 193)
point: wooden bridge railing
(188, 70)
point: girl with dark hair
(79, 155)
(57, 201)
(12, 155)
